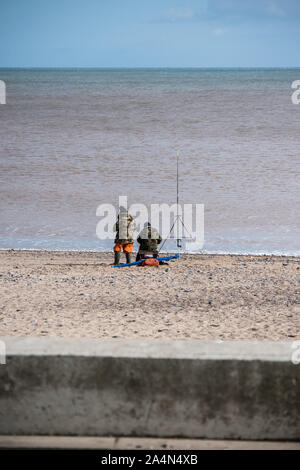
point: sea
(74, 139)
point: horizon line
(151, 67)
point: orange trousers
(127, 247)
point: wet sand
(77, 294)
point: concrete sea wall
(194, 389)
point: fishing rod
(176, 220)
(177, 199)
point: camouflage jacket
(148, 239)
(125, 227)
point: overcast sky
(154, 33)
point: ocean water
(72, 139)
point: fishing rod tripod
(178, 218)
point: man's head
(123, 210)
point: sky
(154, 33)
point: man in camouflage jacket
(149, 239)
(125, 227)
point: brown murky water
(73, 139)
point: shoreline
(163, 253)
(203, 296)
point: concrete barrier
(195, 389)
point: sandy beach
(77, 294)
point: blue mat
(165, 258)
